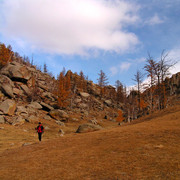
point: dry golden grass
(149, 149)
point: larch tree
(162, 71)
(150, 67)
(120, 117)
(119, 92)
(138, 78)
(102, 82)
(62, 92)
(82, 81)
(5, 55)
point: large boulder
(6, 86)
(84, 128)
(108, 102)
(84, 95)
(7, 90)
(35, 105)
(17, 72)
(8, 107)
(59, 115)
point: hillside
(149, 149)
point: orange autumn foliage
(120, 117)
(5, 55)
(63, 91)
(142, 104)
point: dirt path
(147, 150)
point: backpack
(40, 129)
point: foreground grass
(146, 150)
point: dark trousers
(39, 136)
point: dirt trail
(147, 150)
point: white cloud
(114, 70)
(70, 26)
(154, 20)
(125, 66)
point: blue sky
(92, 35)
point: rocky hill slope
(27, 96)
(149, 149)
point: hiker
(40, 130)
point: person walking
(40, 130)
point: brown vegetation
(149, 149)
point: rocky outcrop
(8, 107)
(173, 84)
(6, 86)
(93, 89)
(84, 128)
(17, 72)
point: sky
(114, 36)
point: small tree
(102, 81)
(120, 117)
(119, 92)
(138, 78)
(45, 68)
(62, 92)
(5, 55)
(150, 69)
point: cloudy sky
(92, 35)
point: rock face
(6, 86)
(8, 107)
(174, 84)
(84, 128)
(16, 71)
